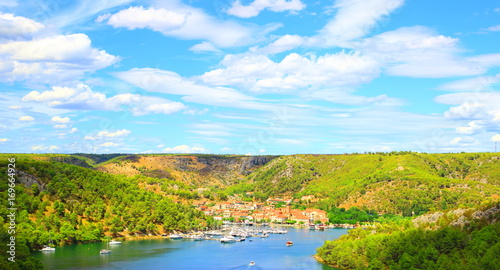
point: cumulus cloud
(16, 27)
(3, 139)
(253, 9)
(165, 108)
(63, 120)
(496, 138)
(185, 149)
(73, 130)
(26, 118)
(51, 59)
(261, 74)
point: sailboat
(114, 242)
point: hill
(402, 183)
(196, 170)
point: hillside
(454, 239)
(402, 183)
(73, 204)
(196, 170)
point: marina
(271, 252)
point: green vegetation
(351, 216)
(406, 183)
(71, 204)
(399, 245)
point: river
(267, 253)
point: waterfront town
(274, 210)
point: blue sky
(249, 77)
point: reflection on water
(268, 253)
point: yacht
(48, 248)
(113, 242)
(175, 236)
(289, 243)
(228, 239)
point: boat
(48, 248)
(198, 238)
(104, 251)
(251, 263)
(228, 239)
(289, 243)
(312, 227)
(113, 242)
(175, 236)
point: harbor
(267, 247)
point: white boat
(48, 248)
(198, 238)
(228, 239)
(175, 236)
(104, 251)
(113, 242)
(289, 243)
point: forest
(401, 245)
(72, 204)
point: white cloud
(3, 139)
(165, 108)
(16, 27)
(73, 130)
(15, 107)
(43, 148)
(62, 120)
(254, 8)
(496, 138)
(226, 149)
(51, 59)
(109, 144)
(26, 118)
(160, 20)
(204, 46)
(184, 149)
(282, 44)
(494, 28)
(467, 111)
(474, 84)
(157, 80)
(419, 52)
(107, 134)
(353, 19)
(262, 150)
(82, 97)
(472, 127)
(186, 22)
(60, 126)
(260, 74)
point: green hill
(402, 183)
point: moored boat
(48, 248)
(228, 239)
(104, 251)
(114, 242)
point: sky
(255, 77)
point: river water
(267, 253)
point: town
(274, 210)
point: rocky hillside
(196, 170)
